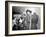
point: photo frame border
(6, 18)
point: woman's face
(28, 13)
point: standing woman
(28, 19)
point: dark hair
(21, 17)
(28, 11)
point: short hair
(21, 17)
(28, 11)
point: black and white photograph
(24, 18)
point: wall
(2, 19)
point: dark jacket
(34, 21)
